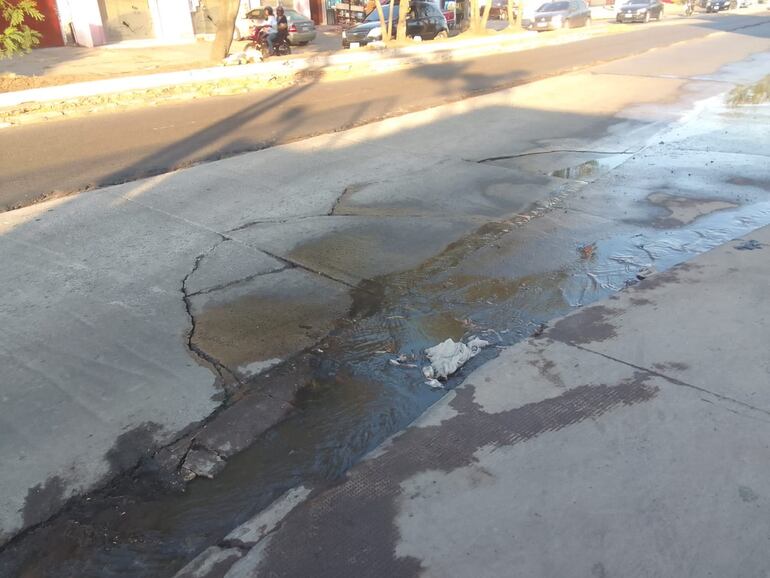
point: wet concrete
(259, 323)
(451, 277)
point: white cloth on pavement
(448, 356)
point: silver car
(301, 28)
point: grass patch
(750, 93)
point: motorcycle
(689, 8)
(281, 45)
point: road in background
(104, 149)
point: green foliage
(15, 35)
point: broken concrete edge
(45, 104)
(216, 560)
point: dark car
(562, 14)
(424, 20)
(719, 5)
(640, 11)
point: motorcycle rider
(280, 31)
(267, 26)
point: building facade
(96, 22)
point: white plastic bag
(448, 356)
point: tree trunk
(384, 27)
(228, 13)
(485, 17)
(520, 17)
(403, 9)
(474, 24)
(511, 15)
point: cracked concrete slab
(250, 326)
(264, 186)
(352, 249)
(449, 189)
(228, 264)
(85, 344)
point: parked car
(301, 28)
(719, 5)
(424, 20)
(247, 22)
(562, 14)
(640, 11)
(498, 10)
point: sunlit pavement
(318, 261)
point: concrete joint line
(665, 77)
(674, 380)
(552, 151)
(236, 282)
(291, 263)
(250, 224)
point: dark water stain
(640, 301)
(131, 446)
(587, 326)
(547, 368)
(763, 184)
(669, 365)
(43, 500)
(358, 515)
(747, 494)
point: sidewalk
(159, 294)
(630, 439)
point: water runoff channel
(499, 283)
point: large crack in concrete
(226, 375)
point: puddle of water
(354, 399)
(684, 210)
(591, 169)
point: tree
(15, 35)
(403, 10)
(482, 28)
(384, 29)
(511, 15)
(228, 13)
